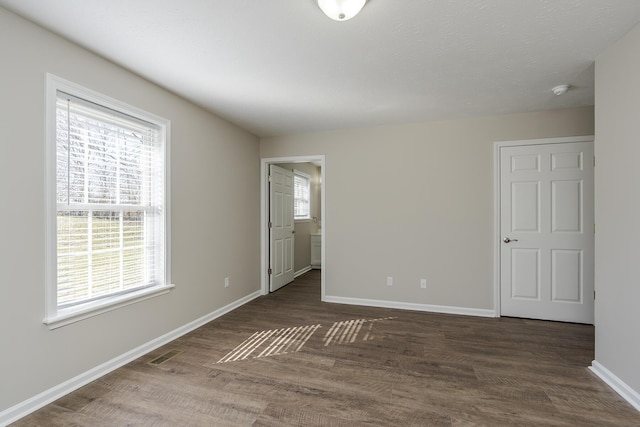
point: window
(107, 219)
(301, 195)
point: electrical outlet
(423, 283)
(389, 281)
(226, 282)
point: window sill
(302, 220)
(71, 315)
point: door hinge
(594, 161)
(269, 178)
(270, 225)
(269, 272)
(594, 295)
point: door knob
(508, 240)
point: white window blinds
(301, 195)
(109, 202)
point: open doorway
(311, 238)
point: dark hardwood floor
(289, 359)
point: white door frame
(264, 215)
(496, 198)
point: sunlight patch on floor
(347, 331)
(274, 342)
(271, 343)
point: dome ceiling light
(560, 89)
(341, 10)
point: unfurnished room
(319, 212)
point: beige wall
(215, 216)
(416, 201)
(304, 228)
(617, 178)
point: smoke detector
(560, 89)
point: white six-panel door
(547, 231)
(281, 231)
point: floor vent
(168, 355)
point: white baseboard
(412, 306)
(620, 387)
(28, 406)
(302, 271)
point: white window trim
(306, 175)
(54, 317)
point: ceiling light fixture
(341, 10)
(560, 90)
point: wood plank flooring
(289, 359)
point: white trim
(302, 271)
(85, 311)
(478, 312)
(55, 83)
(36, 402)
(542, 141)
(620, 387)
(496, 200)
(50, 246)
(264, 214)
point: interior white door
(281, 227)
(547, 226)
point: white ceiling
(280, 66)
